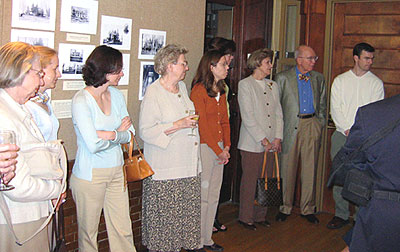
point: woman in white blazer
(261, 130)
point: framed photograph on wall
(33, 37)
(79, 16)
(72, 58)
(116, 32)
(34, 14)
(150, 41)
(147, 76)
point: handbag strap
(264, 173)
(6, 211)
(130, 153)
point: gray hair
(16, 59)
(167, 55)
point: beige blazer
(289, 97)
(261, 113)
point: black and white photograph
(33, 37)
(76, 55)
(147, 76)
(116, 32)
(79, 16)
(72, 58)
(150, 41)
(34, 14)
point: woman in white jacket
(30, 202)
(261, 130)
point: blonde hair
(166, 55)
(45, 54)
(16, 60)
(257, 56)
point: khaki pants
(105, 191)
(211, 180)
(306, 147)
(38, 243)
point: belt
(386, 195)
(305, 116)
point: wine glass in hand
(193, 112)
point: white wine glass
(193, 112)
(6, 137)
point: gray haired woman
(171, 197)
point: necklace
(41, 98)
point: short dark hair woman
(101, 123)
(209, 98)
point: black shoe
(281, 217)
(247, 225)
(311, 218)
(337, 223)
(196, 250)
(214, 247)
(264, 223)
(219, 226)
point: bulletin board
(182, 21)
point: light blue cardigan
(87, 117)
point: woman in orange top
(209, 98)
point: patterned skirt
(171, 214)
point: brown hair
(205, 77)
(257, 56)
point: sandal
(215, 230)
(219, 226)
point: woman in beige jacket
(261, 130)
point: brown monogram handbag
(269, 190)
(135, 167)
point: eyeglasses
(184, 64)
(41, 73)
(310, 58)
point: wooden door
(252, 30)
(377, 23)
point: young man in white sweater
(351, 90)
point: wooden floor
(293, 235)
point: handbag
(53, 166)
(58, 232)
(135, 167)
(345, 160)
(357, 187)
(269, 190)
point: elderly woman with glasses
(261, 130)
(171, 197)
(101, 123)
(30, 201)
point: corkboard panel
(182, 20)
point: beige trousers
(306, 148)
(211, 180)
(105, 191)
(39, 243)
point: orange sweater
(213, 121)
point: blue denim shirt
(305, 94)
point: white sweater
(170, 156)
(349, 92)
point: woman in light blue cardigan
(101, 123)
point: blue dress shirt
(305, 94)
